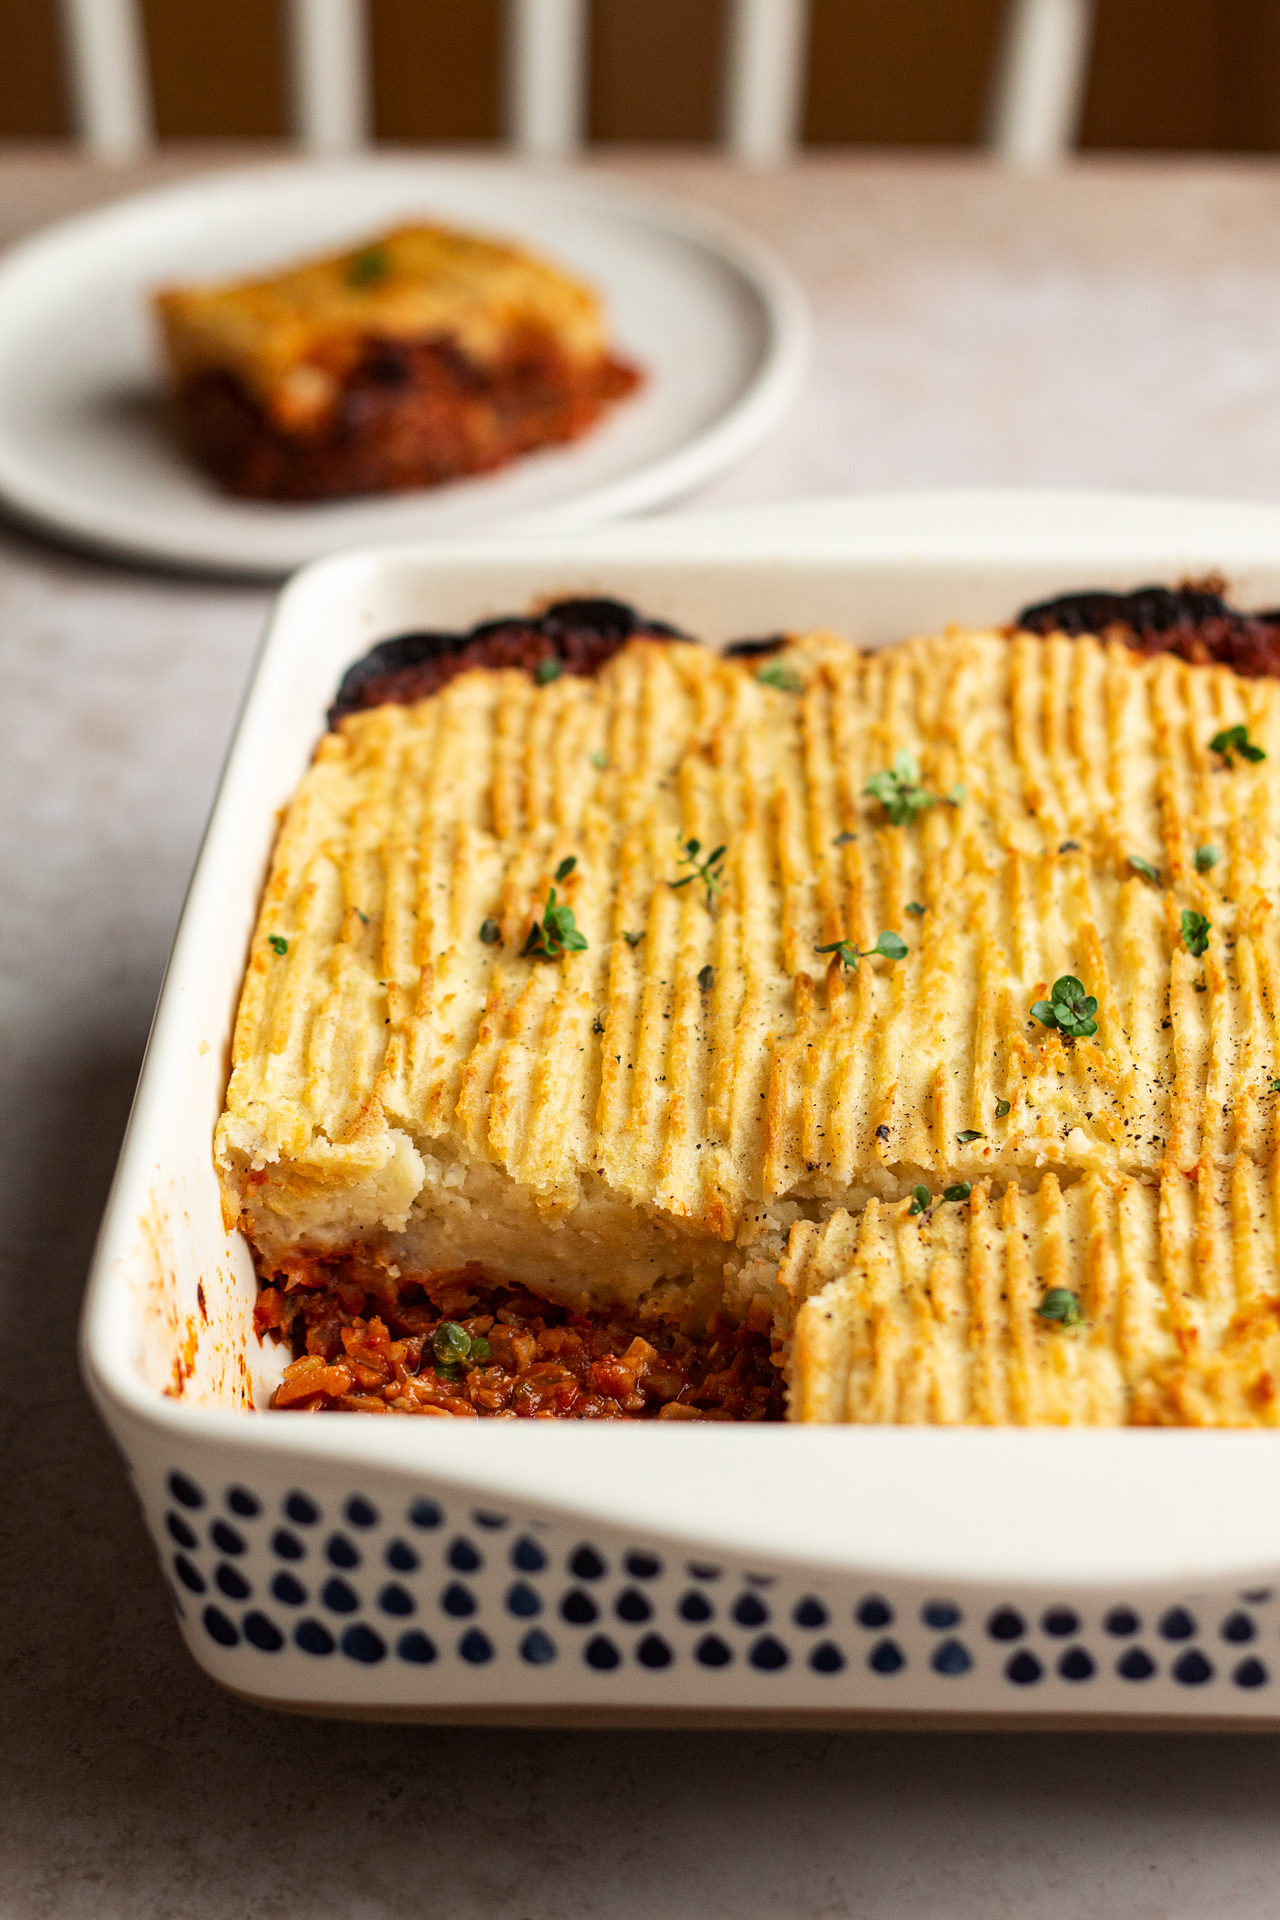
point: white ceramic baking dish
(535, 1570)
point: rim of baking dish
(1010, 1504)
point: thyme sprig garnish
(920, 1198)
(890, 946)
(1233, 740)
(557, 931)
(277, 943)
(1145, 868)
(784, 678)
(1070, 1010)
(1195, 932)
(453, 1348)
(1206, 857)
(367, 266)
(960, 1191)
(1062, 1305)
(899, 792)
(710, 871)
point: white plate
(717, 324)
(930, 1532)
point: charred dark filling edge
(1192, 621)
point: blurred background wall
(1165, 74)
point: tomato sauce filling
(1192, 621)
(462, 1345)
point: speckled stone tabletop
(1116, 326)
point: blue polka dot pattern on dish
(416, 1648)
(601, 1654)
(748, 1611)
(940, 1614)
(1005, 1624)
(523, 1601)
(528, 1556)
(262, 1633)
(226, 1537)
(578, 1608)
(654, 1652)
(312, 1637)
(396, 1599)
(702, 1570)
(1122, 1621)
(189, 1575)
(458, 1600)
(180, 1531)
(402, 1557)
(363, 1644)
(874, 1612)
(290, 1592)
(711, 1651)
(483, 1518)
(643, 1566)
(1024, 1669)
(1076, 1664)
(476, 1647)
(185, 1491)
(1250, 1673)
(1237, 1628)
(826, 1657)
(232, 1582)
(425, 1513)
(219, 1628)
(361, 1512)
(463, 1557)
(951, 1657)
(1177, 1624)
(341, 1552)
(287, 1545)
(338, 1596)
(586, 1564)
(241, 1501)
(768, 1654)
(810, 1613)
(299, 1507)
(1061, 1622)
(632, 1606)
(538, 1648)
(695, 1606)
(1191, 1669)
(1135, 1665)
(886, 1657)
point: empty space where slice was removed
(627, 1020)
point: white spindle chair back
(1034, 116)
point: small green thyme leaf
(1233, 740)
(450, 1344)
(566, 867)
(970, 1133)
(1069, 846)
(890, 946)
(706, 978)
(1145, 868)
(784, 678)
(914, 909)
(843, 839)
(277, 942)
(919, 1200)
(362, 916)
(367, 267)
(554, 934)
(633, 939)
(599, 761)
(1195, 932)
(1002, 1108)
(955, 798)
(960, 1191)
(1206, 857)
(546, 671)
(1062, 1305)
(899, 792)
(1071, 1010)
(710, 871)
(490, 932)
(1275, 1086)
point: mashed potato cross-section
(644, 1120)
